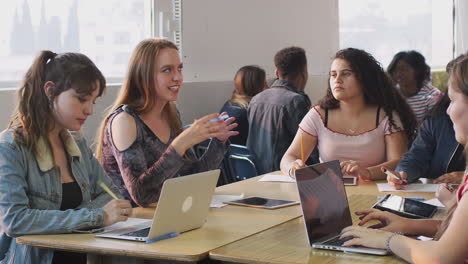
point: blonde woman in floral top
(142, 143)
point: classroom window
(106, 31)
(384, 28)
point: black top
(235, 110)
(71, 198)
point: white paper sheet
(435, 202)
(276, 178)
(218, 200)
(385, 187)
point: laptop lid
(325, 206)
(323, 200)
(183, 205)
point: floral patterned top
(140, 170)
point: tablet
(405, 207)
(350, 180)
(260, 202)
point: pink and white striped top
(423, 101)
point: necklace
(351, 131)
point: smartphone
(350, 180)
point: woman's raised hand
(203, 129)
(227, 132)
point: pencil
(302, 148)
(109, 191)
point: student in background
(141, 141)
(362, 121)
(451, 234)
(412, 76)
(435, 153)
(249, 81)
(48, 177)
(275, 113)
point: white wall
(220, 36)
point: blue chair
(242, 167)
(240, 163)
(239, 150)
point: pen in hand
(108, 190)
(391, 174)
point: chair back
(241, 163)
(242, 167)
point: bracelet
(289, 172)
(387, 243)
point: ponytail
(33, 105)
(31, 119)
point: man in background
(274, 114)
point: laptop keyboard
(139, 233)
(337, 241)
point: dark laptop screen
(323, 200)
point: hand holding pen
(299, 163)
(117, 209)
(397, 180)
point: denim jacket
(434, 152)
(274, 116)
(31, 194)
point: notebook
(325, 207)
(183, 205)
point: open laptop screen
(323, 200)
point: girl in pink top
(362, 121)
(451, 235)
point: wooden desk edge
(219, 257)
(121, 252)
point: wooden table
(223, 226)
(287, 243)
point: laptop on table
(183, 205)
(325, 207)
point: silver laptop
(325, 207)
(183, 205)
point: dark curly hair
(290, 62)
(417, 61)
(377, 87)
